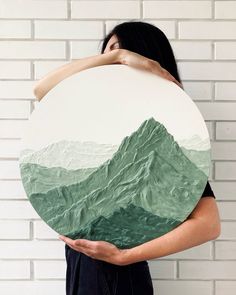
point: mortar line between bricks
(213, 245)
(69, 9)
(213, 9)
(213, 287)
(141, 10)
(176, 31)
(177, 269)
(31, 270)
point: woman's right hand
(138, 61)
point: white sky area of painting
(106, 103)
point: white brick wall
(37, 36)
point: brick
(227, 210)
(32, 49)
(50, 269)
(32, 249)
(207, 270)
(162, 269)
(228, 230)
(226, 130)
(198, 252)
(225, 250)
(198, 90)
(9, 170)
(207, 30)
(12, 128)
(191, 50)
(207, 70)
(223, 150)
(224, 190)
(9, 148)
(10, 229)
(12, 189)
(217, 110)
(14, 270)
(14, 70)
(176, 9)
(15, 28)
(14, 109)
(168, 27)
(17, 89)
(81, 49)
(225, 287)
(181, 287)
(35, 9)
(225, 50)
(105, 9)
(68, 29)
(32, 287)
(225, 9)
(21, 209)
(44, 231)
(225, 170)
(225, 91)
(42, 68)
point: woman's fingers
(136, 60)
(157, 69)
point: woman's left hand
(101, 250)
(133, 59)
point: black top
(208, 192)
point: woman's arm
(121, 56)
(54, 77)
(202, 225)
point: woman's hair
(147, 40)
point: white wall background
(37, 36)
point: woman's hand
(138, 61)
(101, 250)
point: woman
(99, 267)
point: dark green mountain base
(127, 227)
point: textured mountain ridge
(195, 143)
(71, 155)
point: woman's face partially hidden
(113, 43)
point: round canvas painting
(116, 154)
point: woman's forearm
(57, 75)
(190, 233)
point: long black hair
(147, 40)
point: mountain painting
(115, 154)
(126, 193)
